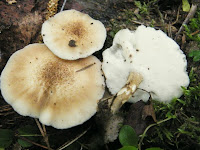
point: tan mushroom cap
(72, 35)
(61, 93)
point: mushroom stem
(126, 92)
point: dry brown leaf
(148, 110)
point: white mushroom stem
(126, 92)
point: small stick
(196, 32)
(27, 140)
(39, 126)
(177, 16)
(86, 67)
(69, 143)
(43, 132)
(189, 16)
(63, 5)
(44, 129)
(45, 136)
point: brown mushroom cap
(59, 92)
(72, 35)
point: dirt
(20, 25)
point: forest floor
(179, 126)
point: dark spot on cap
(130, 55)
(124, 60)
(148, 68)
(107, 62)
(137, 50)
(43, 34)
(72, 43)
(91, 23)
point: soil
(20, 24)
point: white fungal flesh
(151, 53)
(116, 64)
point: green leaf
(138, 4)
(128, 148)
(195, 54)
(24, 144)
(127, 136)
(30, 132)
(186, 5)
(154, 148)
(6, 137)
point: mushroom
(72, 35)
(151, 53)
(61, 93)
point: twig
(43, 132)
(63, 5)
(69, 143)
(170, 25)
(177, 16)
(145, 131)
(189, 16)
(27, 140)
(5, 108)
(46, 136)
(39, 126)
(196, 32)
(44, 129)
(85, 67)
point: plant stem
(34, 143)
(190, 15)
(63, 5)
(145, 131)
(69, 143)
(43, 132)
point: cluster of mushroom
(61, 84)
(58, 82)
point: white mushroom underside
(152, 54)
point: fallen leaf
(148, 110)
(137, 116)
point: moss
(183, 129)
(193, 29)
